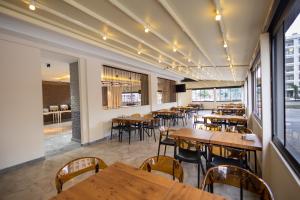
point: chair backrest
(188, 145)
(244, 130)
(148, 116)
(164, 164)
(77, 167)
(136, 115)
(237, 177)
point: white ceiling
(59, 66)
(188, 25)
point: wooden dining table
(225, 139)
(224, 117)
(121, 181)
(129, 120)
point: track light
(147, 29)
(32, 5)
(104, 37)
(218, 16)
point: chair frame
(265, 188)
(146, 165)
(62, 179)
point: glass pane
(292, 100)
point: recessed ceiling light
(225, 45)
(228, 58)
(218, 16)
(230, 65)
(32, 5)
(189, 60)
(139, 52)
(174, 49)
(104, 37)
(147, 29)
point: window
(257, 99)
(285, 94)
(123, 88)
(289, 42)
(229, 94)
(289, 69)
(289, 51)
(203, 94)
(289, 77)
(166, 91)
(289, 60)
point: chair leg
(111, 133)
(153, 132)
(198, 181)
(165, 150)
(158, 149)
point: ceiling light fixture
(139, 52)
(147, 29)
(228, 58)
(230, 66)
(174, 49)
(189, 60)
(104, 37)
(218, 16)
(32, 5)
(225, 45)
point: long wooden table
(224, 117)
(226, 139)
(121, 181)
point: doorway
(61, 103)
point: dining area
(218, 155)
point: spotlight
(32, 5)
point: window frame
(231, 87)
(286, 11)
(200, 94)
(253, 84)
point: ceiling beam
(128, 12)
(175, 17)
(117, 27)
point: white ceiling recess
(183, 36)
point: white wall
(21, 124)
(21, 134)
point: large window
(285, 93)
(203, 95)
(257, 95)
(229, 94)
(123, 88)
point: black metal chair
(116, 125)
(190, 152)
(164, 139)
(197, 120)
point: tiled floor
(36, 181)
(57, 138)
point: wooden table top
(226, 108)
(131, 119)
(193, 134)
(225, 117)
(166, 112)
(235, 140)
(218, 138)
(120, 181)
